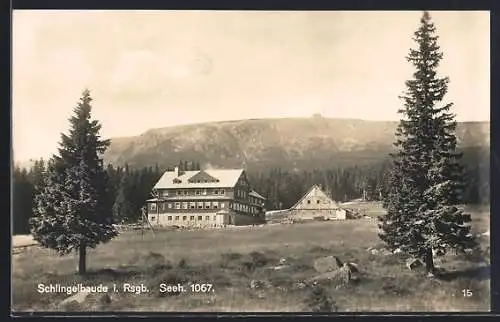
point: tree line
(129, 188)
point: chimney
(176, 171)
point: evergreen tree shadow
(481, 273)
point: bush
(229, 260)
(259, 259)
(182, 263)
(320, 300)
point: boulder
(340, 276)
(299, 285)
(74, 302)
(258, 284)
(79, 298)
(327, 264)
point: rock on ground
(257, 284)
(81, 300)
(341, 276)
(327, 264)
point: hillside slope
(264, 143)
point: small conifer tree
(72, 211)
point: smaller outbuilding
(316, 204)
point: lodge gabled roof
(225, 178)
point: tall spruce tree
(426, 177)
(72, 212)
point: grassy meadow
(230, 259)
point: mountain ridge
(262, 143)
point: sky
(152, 69)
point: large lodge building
(207, 198)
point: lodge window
(176, 217)
(207, 205)
(200, 205)
(177, 205)
(192, 205)
(169, 217)
(169, 205)
(153, 206)
(216, 192)
(222, 205)
(178, 192)
(192, 217)
(184, 217)
(204, 192)
(215, 204)
(197, 192)
(184, 205)
(222, 192)
(317, 201)
(153, 218)
(207, 218)
(200, 217)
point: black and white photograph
(250, 161)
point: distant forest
(129, 188)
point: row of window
(177, 180)
(188, 205)
(309, 202)
(241, 194)
(203, 205)
(194, 192)
(184, 218)
(244, 208)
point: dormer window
(177, 180)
